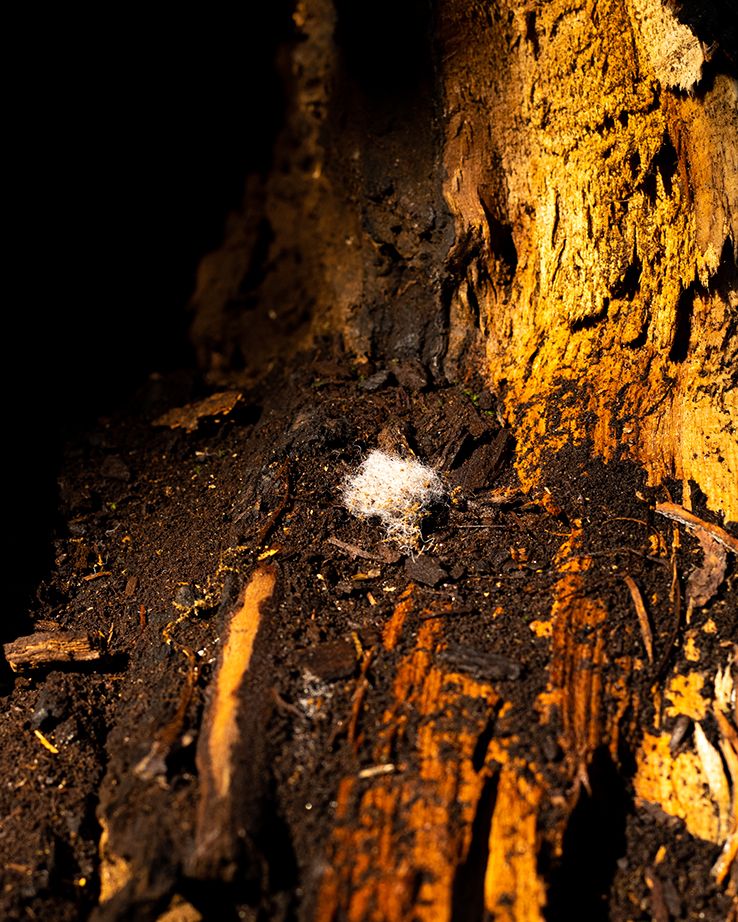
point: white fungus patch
(395, 490)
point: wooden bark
(583, 248)
(51, 648)
(537, 201)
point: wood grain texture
(602, 208)
(49, 648)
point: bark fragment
(52, 648)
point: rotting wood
(677, 784)
(689, 781)
(375, 869)
(49, 648)
(408, 821)
(576, 693)
(614, 340)
(513, 888)
(717, 783)
(591, 277)
(220, 733)
(153, 764)
(729, 748)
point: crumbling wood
(526, 293)
(484, 667)
(46, 648)
(153, 764)
(729, 748)
(370, 805)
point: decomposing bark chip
(395, 490)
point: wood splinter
(678, 513)
(47, 648)
(635, 594)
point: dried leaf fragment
(705, 581)
(189, 416)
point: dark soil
(157, 531)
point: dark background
(129, 138)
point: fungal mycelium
(398, 491)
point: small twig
(635, 594)
(352, 549)
(676, 597)
(484, 526)
(616, 552)
(91, 576)
(357, 701)
(624, 518)
(449, 614)
(45, 743)
(373, 771)
(383, 552)
(685, 517)
(276, 513)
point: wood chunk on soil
(411, 374)
(189, 416)
(377, 381)
(480, 468)
(46, 648)
(448, 426)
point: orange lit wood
(221, 720)
(513, 888)
(399, 839)
(577, 689)
(609, 326)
